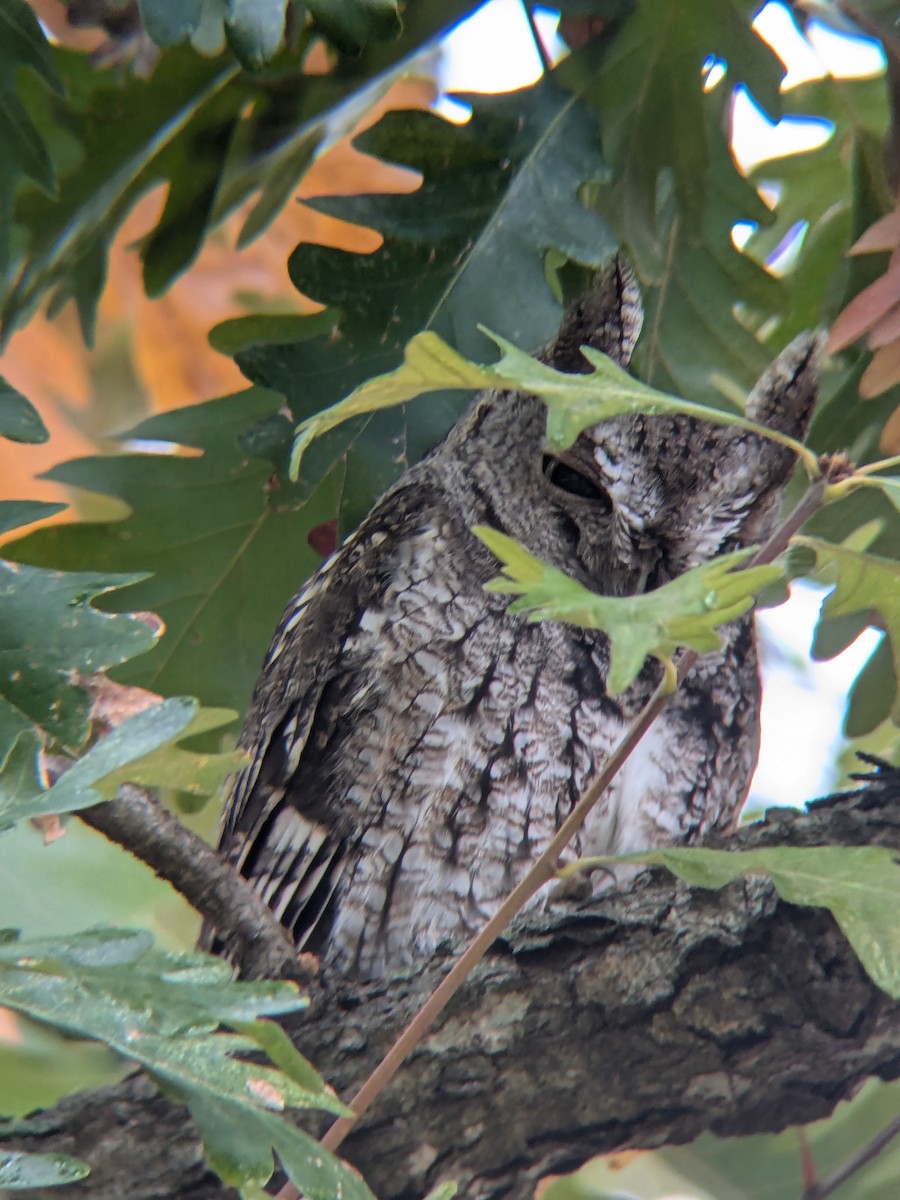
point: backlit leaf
(685, 612)
(865, 582)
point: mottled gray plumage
(414, 747)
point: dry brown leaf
(111, 702)
(51, 827)
(10, 1030)
(889, 442)
(867, 308)
(882, 372)
(886, 329)
(883, 235)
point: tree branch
(139, 823)
(641, 1020)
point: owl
(414, 747)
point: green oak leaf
(212, 532)
(429, 365)
(164, 1011)
(865, 582)
(16, 513)
(135, 738)
(50, 633)
(685, 612)
(574, 402)
(497, 195)
(655, 117)
(171, 766)
(170, 21)
(350, 24)
(255, 29)
(889, 485)
(19, 420)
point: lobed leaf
(50, 633)
(429, 365)
(226, 546)
(865, 582)
(888, 485)
(215, 135)
(655, 112)
(350, 24)
(19, 419)
(574, 401)
(469, 244)
(823, 200)
(135, 738)
(23, 151)
(170, 766)
(226, 533)
(170, 21)
(255, 29)
(672, 192)
(685, 612)
(164, 1011)
(15, 513)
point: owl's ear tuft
(786, 392)
(607, 317)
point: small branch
(809, 503)
(137, 821)
(824, 1188)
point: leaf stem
(545, 867)
(882, 464)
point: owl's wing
(291, 844)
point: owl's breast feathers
(414, 747)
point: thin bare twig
(824, 1188)
(542, 872)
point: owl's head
(651, 497)
(637, 500)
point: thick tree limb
(641, 1021)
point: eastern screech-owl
(414, 747)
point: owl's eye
(568, 479)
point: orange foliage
(169, 357)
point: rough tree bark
(641, 1020)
